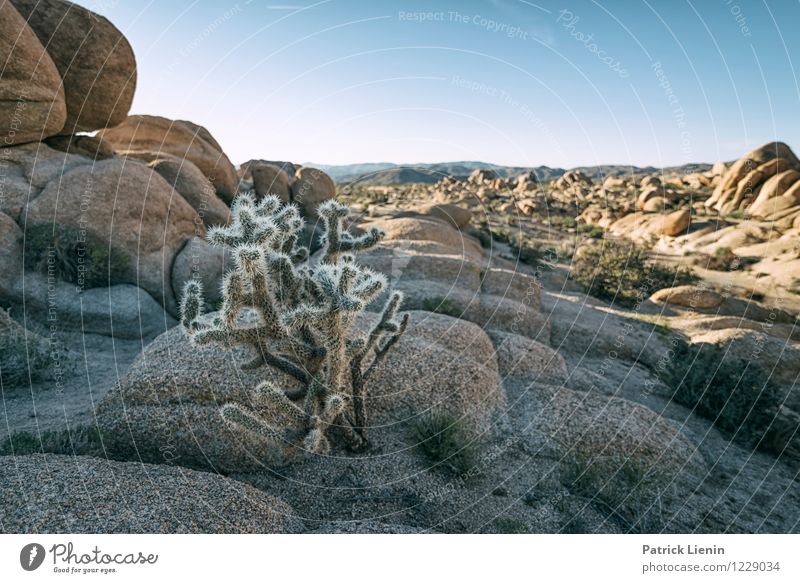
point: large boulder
(442, 364)
(172, 393)
(741, 181)
(129, 205)
(152, 136)
(310, 189)
(441, 269)
(604, 430)
(245, 170)
(433, 230)
(32, 104)
(572, 178)
(199, 260)
(780, 192)
(520, 356)
(120, 311)
(27, 170)
(645, 226)
(779, 356)
(79, 494)
(707, 240)
(194, 187)
(583, 326)
(269, 179)
(454, 215)
(612, 182)
(94, 59)
(481, 175)
(750, 186)
(688, 296)
(673, 224)
(90, 147)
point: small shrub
(736, 215)
(74, 256)
(442, 305)
(618, 271)
(593, 231)
(443, 440)
(526, 251)
(737, 395)
(83, 440)
(529, 251)
(23, 354)
(724, 259)
(567, 221)
(482, 236)
(501, 234)
(566, 251)
(626, 488)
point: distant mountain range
(382, 173)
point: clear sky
(568, 83)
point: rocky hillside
(580, 355)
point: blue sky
(515, 82)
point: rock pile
(150, 138)
(764, 183)
(68, 71)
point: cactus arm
(191, 307)
(387, 325)
(238, 416)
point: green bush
(74, 256)
(500, 234)
(591, 231)
(619, 271)
(23, 355)
(443, 439)
(525, 250)
(736, 394)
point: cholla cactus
(298, 318)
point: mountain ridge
(384, 173)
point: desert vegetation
(737, 395)
(74, 256)
(444, 441)
(620, 272)
(300, 321)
